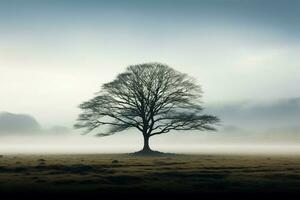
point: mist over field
(56, 54)
(246, 128)
(149, 98)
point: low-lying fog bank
(203, 143)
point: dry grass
(181, 173)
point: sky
(56, 54)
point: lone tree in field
(153, 98)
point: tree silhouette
(152, 98)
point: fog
(245, 55)
(245, 128)
(114, 144)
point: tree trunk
(146, 147)
(147, 151)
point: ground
(113, 174)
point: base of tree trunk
(149, 152)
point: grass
(130, 174)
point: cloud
(282, 113)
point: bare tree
(152, 98)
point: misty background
(56, 54)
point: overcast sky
(56, 54)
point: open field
(87, 174)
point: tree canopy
(151, 97)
